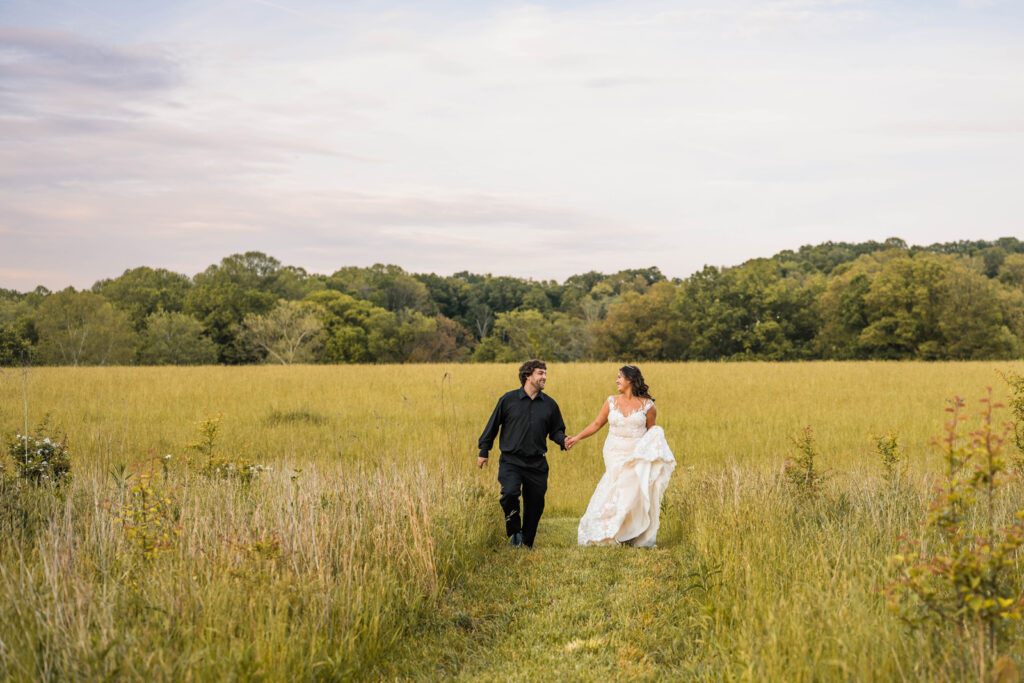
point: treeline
(873, 300)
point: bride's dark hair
(636, 381)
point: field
(370, 547)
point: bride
(638, 464)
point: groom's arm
(490, 432)
(557, 428)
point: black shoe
(516, 539)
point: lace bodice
(631, 426)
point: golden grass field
(372, 548)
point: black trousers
(529, 480)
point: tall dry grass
(372, 510)
(315, 574)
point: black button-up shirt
(525, 425)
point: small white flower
(46, 440)
(167, 457)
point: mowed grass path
(559, 611)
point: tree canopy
(873, 300)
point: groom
(526, 417)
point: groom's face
(538, 378)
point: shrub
(148, 517)
(800, 470)
(1016, 384)
(962, 571)
(892, 455)
(38, 458)
(216, 463)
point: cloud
(979, 4)
(608, 135)
(424, 229)
(31, 59)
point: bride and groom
(638, 462)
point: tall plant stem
(24, 394)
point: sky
(530, 139)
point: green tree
(576, 288)
(18, 334)
(83, 328)
(447, 294)
(903, 308)
(287, 334)
(15, 348)
(386, 286)
(826, 257)
(424, 339)
(970, 320)
(224, 294)
(539, 297)
(1011, 305)
(172, 338)
(844, 313)
(489, 296)
(143, 291)
(634, 280)
(932, 306)
(292, 283)
(844, 316)
(1011, 272)
(355, 331)
(523, 334)
(752, 311)
(643, 327)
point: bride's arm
(592, 428)
(652, 414)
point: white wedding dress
(626, 502)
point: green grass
(373, 549)
(746, 583)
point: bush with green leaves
(216, 463)
(963, 569)
(1015, 382)
(892, 456)
(801, 471)
(40, 458)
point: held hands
(570, 441)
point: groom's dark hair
(527, 368)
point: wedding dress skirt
(627, 500)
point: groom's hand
(482, 462)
